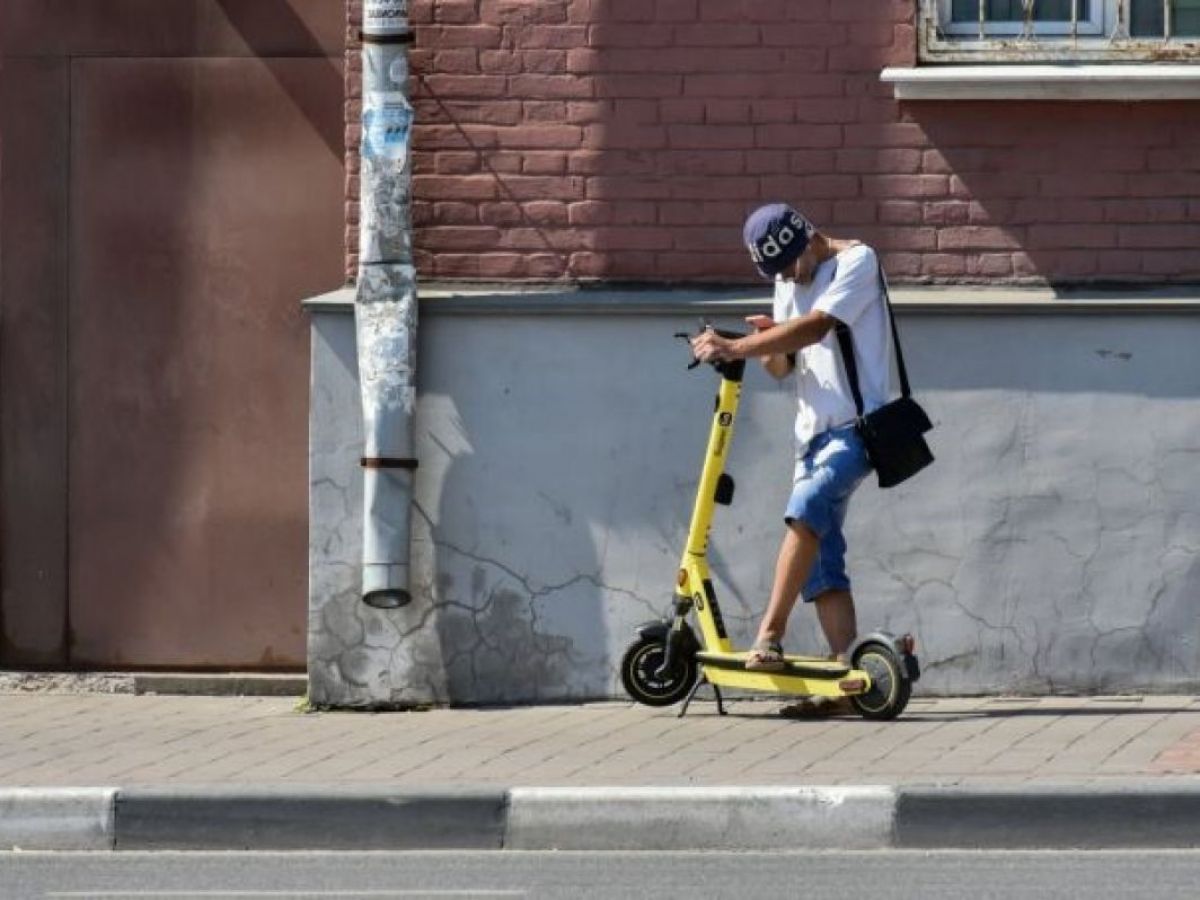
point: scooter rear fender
(911, 670)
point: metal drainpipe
(385, 305)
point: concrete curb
(283, 817)
(1133, 814)
(749, 818)
(308, 818)
(57, 818)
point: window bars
(1048, 30)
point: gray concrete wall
(1052, 547)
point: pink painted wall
(626, 139)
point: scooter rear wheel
(638, 674)
(890, 690)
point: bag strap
(846, 343)
(850, 365)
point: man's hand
(708, 346)
(760, 323)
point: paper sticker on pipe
(387, 127)
(384, 18)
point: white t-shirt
(848, 288)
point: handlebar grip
(728, 335)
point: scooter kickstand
(692, 694)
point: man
(819, 282)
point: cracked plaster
(1051, 548)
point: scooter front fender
(656, 630)
(660, 630)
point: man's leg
(835, 612)
(796, 555)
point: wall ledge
(1144, 82)
(559, 300)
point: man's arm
(790, 337)
(778, 365)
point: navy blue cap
(776, 235)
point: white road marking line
(291, 894)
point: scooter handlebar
(704, 326)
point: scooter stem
(719, 440)
(694, 582)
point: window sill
(1127, 83)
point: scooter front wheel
(639, 674)
(890, 689)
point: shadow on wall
(509, 440)
(627, 140)
(1061, 192)
(562, 498)
(700, 113)
(271, 26)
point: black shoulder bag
(894, 433)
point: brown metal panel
(205, 204)
(33, 328)
(172, 27)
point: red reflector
(852, 685)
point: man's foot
(817, 708)
(765, 656)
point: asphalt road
(1094, 875)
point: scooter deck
(802, 675)
(803, 666)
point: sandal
(765, 656)
(817, 708)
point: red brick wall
(626, 140)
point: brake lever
(683, 335)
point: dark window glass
(1146, 18)
(1185, 16)
(1010, 10)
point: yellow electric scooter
(666, 663)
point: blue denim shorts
(834, 464)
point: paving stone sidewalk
(105, 739)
